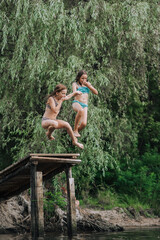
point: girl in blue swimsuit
(80, 104)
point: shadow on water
(129, 234)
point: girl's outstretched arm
(89, 85)
(72, 95)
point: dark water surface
(129, 234)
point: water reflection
(14, 237)
(130, 234)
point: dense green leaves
(117, 42)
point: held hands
(64, 98)
(70, 95)
(78, 93)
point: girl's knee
(67, 125)
(83, 124)
(80, 111)
(44, 126)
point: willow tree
(47, 42)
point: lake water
(129, 234)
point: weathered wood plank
(16, 178)
(71, 209)
(56, 154)
(14, 173)
(56, 160)
(34, 208)
(40, 203)
(48, 171)
(15, 165)
(55, 172)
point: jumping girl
(80, 104)
(53, 105)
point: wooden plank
(18, 178)
(40, 203)
(34, 208)
(56, 160)
(71, 209)
(21, 177)
(13, 183)
(55, 172)
(50, 170)
(15, 165)
(56, 154)
(16, 172)
(10, 186)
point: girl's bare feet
(49, 133)
(76, 134)
(50, 137)
(80, 145)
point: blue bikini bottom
(83, 105)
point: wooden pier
(30, 172)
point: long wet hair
(80, 73)
(57, 89)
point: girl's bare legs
(83, 119)
(49, 125)
(77, 107)
(80, 119)
(49, 133)
(66, 125)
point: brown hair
(80, 73)
(58, 88)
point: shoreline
(129, 218)
(15, 217)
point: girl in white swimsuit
(53, 105)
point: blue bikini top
(83, 89)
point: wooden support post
(34, 208)
(40, 203)
(71, 209)
(37, 216)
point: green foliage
(156, 199)
(106, 199)
(44, 43)
(139, 179)
(51, 200)
(137, 182)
